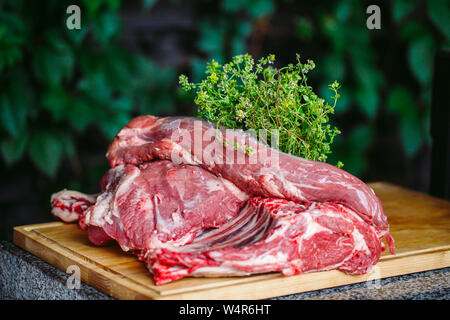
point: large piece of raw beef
(189, 198)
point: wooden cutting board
(419, 223)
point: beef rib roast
(192, 199)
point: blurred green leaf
(54, 62)
(81, 114)
(113, 123)
(211, 40)
(67, 144)
(331, 29)
(198, 69)
(119, 75)
(258, 8)
(368, 99)
(147, 4)
(439, 12)
(10, 53)
(10, 120)
(304, 28)
(122, 104)
(22, 96)
(113, 4)
(93, 5)
(56, 100)
(105, 26)
(360, 139)
(411, 134)
(412, 30)
(160, 103)
(352, 147)
(420, 58)
(343, 10)
(95, 86)
(13, 148)
(12, 38)
(401, 8)
(243, 30)
(45, 151)
(77, 35)
(333, 67)
(400, 101)
(233, 5)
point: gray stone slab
(24, 276)
(434, 284)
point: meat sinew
(192, 199)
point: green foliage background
(57, 83)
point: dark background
(65, 93)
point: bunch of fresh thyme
(243, 95)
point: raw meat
(153, 205)
(267, 173)
(286, 237)
(190, 199)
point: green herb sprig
(243, 95)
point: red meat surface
(194, 200)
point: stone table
(24, 276)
